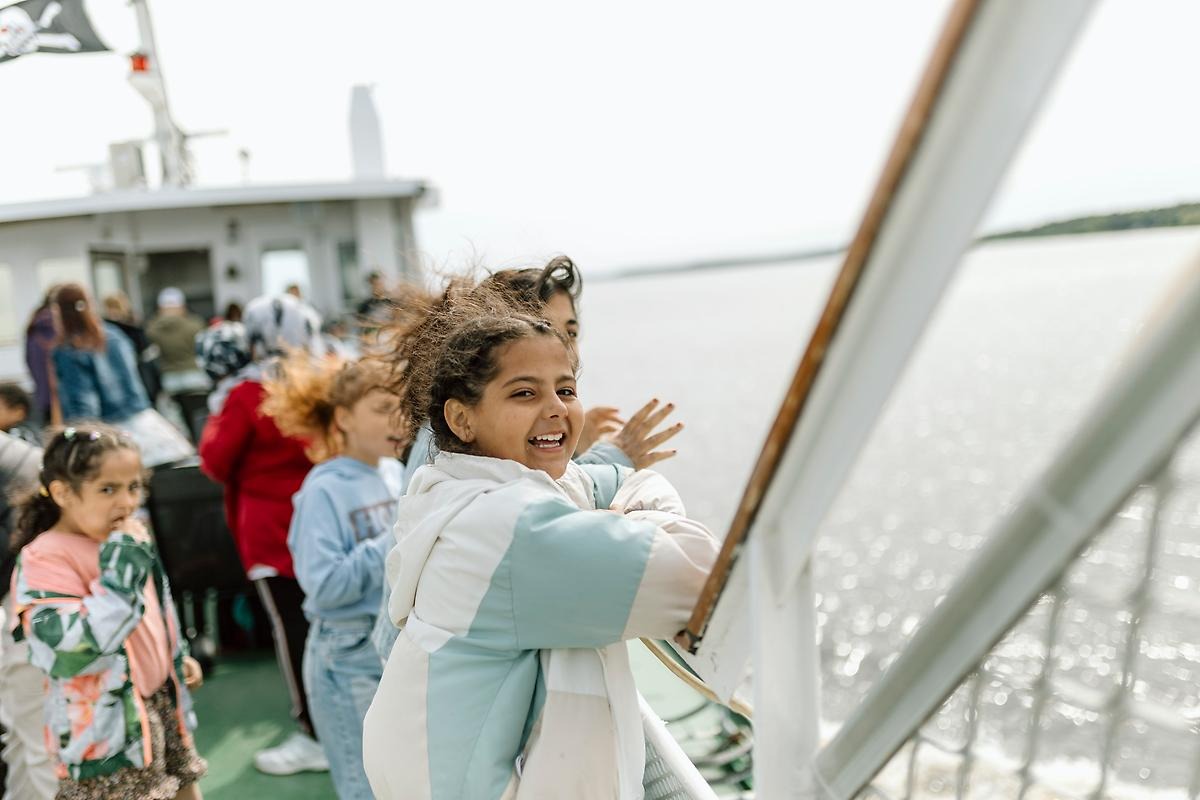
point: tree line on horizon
(1173, 216)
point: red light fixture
(139, 62)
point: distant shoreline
(1176, 216)
(703, 265)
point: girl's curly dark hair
(443, 345)
(532, 288)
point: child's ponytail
(35, 513)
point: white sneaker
(298, 753)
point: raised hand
(598, 422)
(639, 437)
(132, 526)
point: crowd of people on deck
(450, 548)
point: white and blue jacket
(510, 678)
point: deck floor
(243, 707)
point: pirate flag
(46, 26)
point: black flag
(46, 26)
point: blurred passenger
(174, 330)
(39, 341)
(223, 350)
(375, 311)
(261, 469)
(95, 364)
(119, 311)
(22, 707)
(95, 369)
(15, 409)
(117, 308)
(338, 341)
(340, 533)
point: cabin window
(9, 325)
(108, 274)
(283, 267)
(52, 271)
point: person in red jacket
(261, 469)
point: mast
(147, 78)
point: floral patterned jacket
(96, 721)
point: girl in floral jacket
(95, 606)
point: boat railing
(1064, 661)
(1012, 631)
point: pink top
(69, 563)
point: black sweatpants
(283, 600)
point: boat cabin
(218, 245)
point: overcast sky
(620, 133)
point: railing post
(787, 698)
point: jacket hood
(437, 493)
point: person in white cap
(174, 330)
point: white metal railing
(987, 75)
(1135, 429)
(1132, 716)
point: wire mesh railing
(1095, 691)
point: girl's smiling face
(104, 502)
(529, 411)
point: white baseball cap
(170, 297)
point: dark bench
(188, 514)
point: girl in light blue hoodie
(339, 537)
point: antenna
(146, 76)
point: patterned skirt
(175, 763)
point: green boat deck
(243, 707)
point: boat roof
(174, 198)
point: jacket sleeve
(77, 395)
(679, 563)
(66, 634)
(329, 573)
(227, 436)
(604, 453)
(593, 578)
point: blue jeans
(341, 673)
(385, 634)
